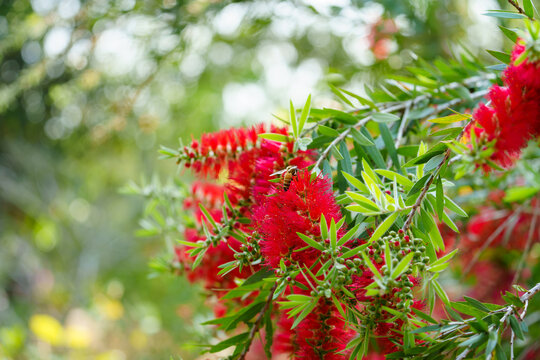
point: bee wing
(278, 172)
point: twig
(425, 190)
(532, 229)
(518, 8)
(530, 293)
(400, 106)
(402, 126)
(257, 323)
(341, 136)
(463, 354)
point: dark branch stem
(425, 190)
(516, 5)
(257, 324)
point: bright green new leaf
(305, 114)
(402, 180)
(355, 182)
(310, 241)
(275, 137)
(383, 227)
(402, 266)
(294, 123)
(450, 119)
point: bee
(288, 173)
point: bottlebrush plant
(327, 237)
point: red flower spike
(298, 209)
(513, 117)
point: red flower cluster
(272, 216)
(299, 209)
(513, 117)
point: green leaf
(275, 137)
(354, 251)
(439, 197)
(355, 182)
(362, 200)
(372, 267)
(360, 138)
(232, 341)
(440, 292)
(190, 244)
(324, 227)
(328, 131)
(361, 100)
(294, 123)
(333, 234)
(512, 299)
(424, 158)
(433, 163)
(341, 116)
(384, 117)
(428, 328)
(528, 8)
(307, 310)
(402, 266)
(450, 119)
(337, 154)
(516, 328)
(349, 235)
(503, 57)
(517, 194)
(346, 163)
(451, 205)
(389, 143)
(268, 334)
(492, 342)
(383, 227)
(418, 185)
(305, 114)
(258, 276)
(402, 180)
(340, 95)
(504, 14)
(509, 33)
(310, 241)
(208, 216)
(499, 352)
(424, 316)
(388, 255)
(445, 258)
(477, 304)
(303, 143)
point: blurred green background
(88, 92)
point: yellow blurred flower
(110, 308)
(138, 339)
(47, 329)
(78, 337)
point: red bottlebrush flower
(208, 269)
(492, 281)
(513, 117)
(299, 209)
(208, 194)
(322, 334)
(485, 226)
(221, 150)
